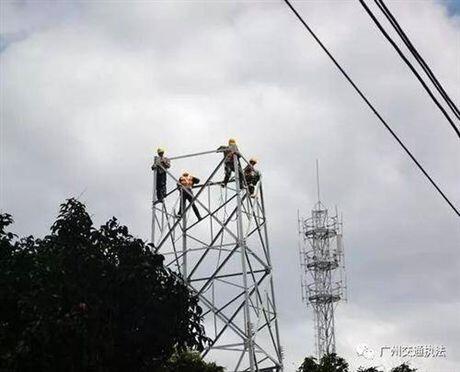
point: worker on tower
(160, 164)
(186, 182)
(230, 152)
(252, 176)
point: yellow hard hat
(232, 141)
(160, 150)
(253, 160)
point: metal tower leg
(184, 235)
(242, 246)
(154, 200)
(272, 286)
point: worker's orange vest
(186, 181)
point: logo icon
(363, 350)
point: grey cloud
(12, 37)
(94, 89)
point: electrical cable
(409, 64)
(390, 17)
(369, 104)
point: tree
(333, 363)
(309, 365)
(369, 369)
(328, 363)
(403, 368)
(189, 361)
(86, 299)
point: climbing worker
(160, 164)
(252, 176)
(229, 152)
(186, 182)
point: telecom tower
(224, 258)
(323, 270)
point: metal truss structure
(224, 258)
(323, 271)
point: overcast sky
(90, 89)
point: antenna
(323, 268)
(317, 180)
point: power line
(417, 56)
(376, 113)
(414, 71)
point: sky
(90, 89)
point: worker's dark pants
(229, 168)
(161, 185)
(251, 182)
(184, 197)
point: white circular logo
(362, 350)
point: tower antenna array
(323, 270)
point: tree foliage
(328, 363)
(403, 368)
(86, 299)
(190, 362)
(309, 365)
(334, 363)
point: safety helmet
(160, 150)
(185, 174)
(253, 161)
(232, 141)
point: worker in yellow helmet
(186, 183)
(252, 176)
(160, 164)
(230, 152)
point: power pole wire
(376, 113)
(417, 56)
(409, 64)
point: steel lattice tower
(323, 271)
(225, 260)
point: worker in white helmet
(160, 164)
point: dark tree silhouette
(328, 363)
(334, 363)
(309, 365)
(86, 299)
(190, 362)
(403, 368)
